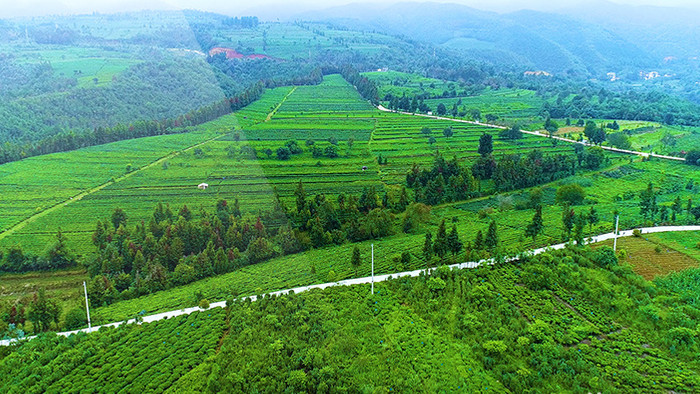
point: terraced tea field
(506, 104)
(400, 139)
(164, 169)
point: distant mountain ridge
(594, 39)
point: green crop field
(316, 113)
(85, 64)
(400, 138)
(506, 104)
(566, 321)
(159, 354)
(314, 266)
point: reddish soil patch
(233, 54)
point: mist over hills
(595, 38)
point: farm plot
(614, 189)
(32, 185)
(90, 66)
(333, 263)
(131, 358)
(230, 172)
(287, 40)
(399, 83)
(506, 104)
(401, 139)
(651, 257)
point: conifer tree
(440, 246)
(356, 259)
(453, 242)
(479, 241)
(535, 227)
(491, 240)
(568, 216)
(647, 203)
(428, 248)
(592, 217)
(578, 231)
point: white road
(537, 133)
(369, 279)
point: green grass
(85, 64)
(34, 184)
(296, 270)
(307, 39)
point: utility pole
(372, 268)
(617, 225)
(87, 307)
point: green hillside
(571, 321)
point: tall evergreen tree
(479, 241)
(300, 195)
(118, 218)
(453, 242)
(356, 259)
(568, 216)
(428, 248)
(580, 225)
(485, 145)
(535, 227)
(592, 217)
(647, 203)
(440, 246)
(491, 240)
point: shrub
(570, 194)
(605, 257)
(637, 233)
(283, 153)
(204, 303)
(75, 318)
(332, 277)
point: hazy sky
(10, 8)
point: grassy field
(66, 286)
(643, 136)
(586, 327)
(399, 138)
(314, 266)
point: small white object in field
(203, 186)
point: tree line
(175, 249)
(71, 140)
(367, 88)
(448, 180)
